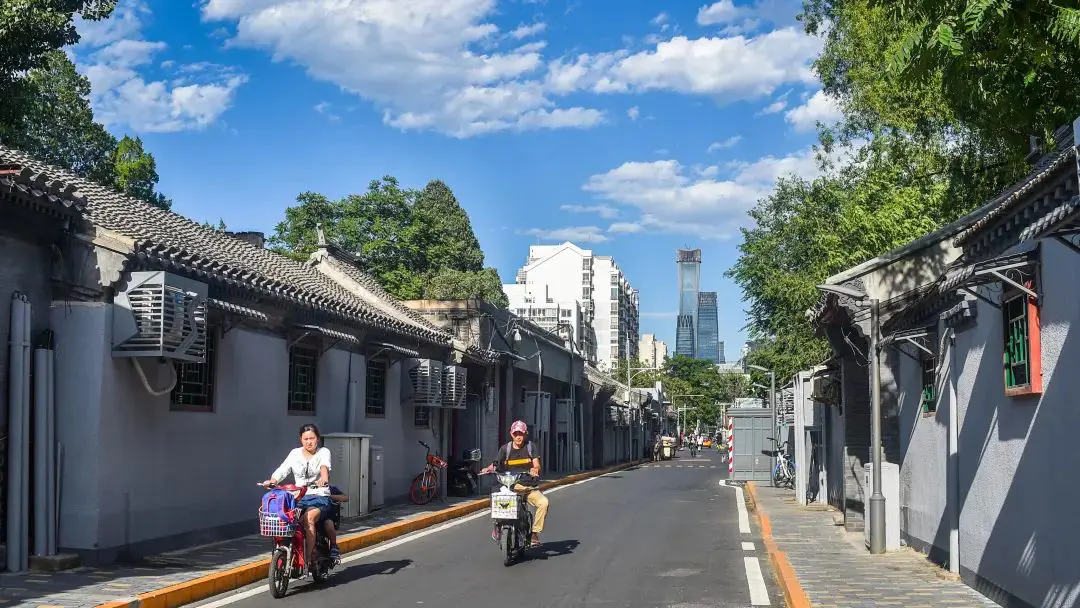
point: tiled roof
(40, 186)
(389, 305)
(178, 243)
(1063, 153)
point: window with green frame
(1017, 342)
(929, 385)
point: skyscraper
(708, 329)
(689, 264)
(723, 359)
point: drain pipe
(18, 430)
(41, 450)
(953, 484)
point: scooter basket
(504, 505)
(274, 525)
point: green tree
(55, 123)
(417, 244)
(30, 32)
(136, 173)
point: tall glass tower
(708, 330)
(689, 264)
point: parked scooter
(287, 560)
(510, 511)
(464, 475)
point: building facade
(652, 352)
(689, 266)
(609, 303)
(564, 318)
(720, 348)
(977, 387)
(708, 329)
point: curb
(794, 595)
(229, 580)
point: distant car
(707, 443)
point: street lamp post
(679, 411)
(877, 499)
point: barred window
(375, 390)
(422, 417)
(303, 376)
(194, 390)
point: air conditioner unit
(422, 382)
(825, 389)
(453, 387)
(160, 315)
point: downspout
(18, 430)
(954, 464)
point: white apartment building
(568, 273)
(652, 351)
(565, 318)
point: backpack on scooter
(279, 503)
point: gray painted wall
(1019, 534)
(135, 472)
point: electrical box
(349, 455)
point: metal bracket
(297, 341)
(919, 346)
(978, 295)
(327, 348)
(997, 273)
(230, 323)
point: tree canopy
(46, 110)
(416, 243)
(938, 99)
(683, 376)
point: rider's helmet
(519, 426)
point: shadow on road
(357, 572)
(553, 549)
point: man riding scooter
(517, 457)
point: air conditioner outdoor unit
(160, 315)
(825, 389)
(453, 387)
(423, 382)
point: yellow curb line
(794, 595)
(241, 576)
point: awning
(408, 352)
(333, 334)
(238, 310)
(1013, 269)
(921, 337)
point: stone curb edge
(794, 595)
(241, 576)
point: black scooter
(463, 475)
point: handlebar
(288, 487)
(424, 444)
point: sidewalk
(820, 564)
(89, 587)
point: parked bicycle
(425, 486)
(783, 474)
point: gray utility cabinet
(752, 428)
(349, 457)
(377, 494)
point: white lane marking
(759, 595)
(744, 517)
(747, 546)
(243, 595)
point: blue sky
(630, 128)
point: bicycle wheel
(423, 488)
(278, 576)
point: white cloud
(731, 68)
(324, 108)
(633, 113)
(625, 228)
(524, 31)
(671, 200)
(774, 107)
(727, 143)
(581, 234)
(108, 54)
(819, 108)
(725, 12)
(429, 67)
(605, 211)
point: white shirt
(304, 470)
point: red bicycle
(287, 559)
(425, 486)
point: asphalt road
(666, 534)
